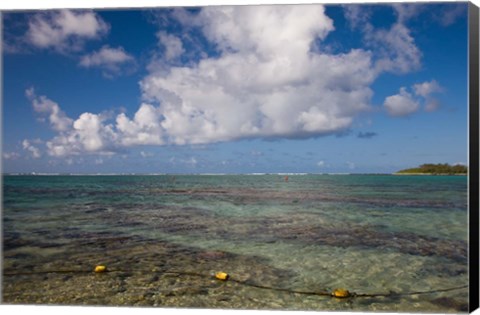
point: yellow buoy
(100, 268)
(341, 293)
(221, 276)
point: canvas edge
(473, 18)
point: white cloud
(88, 127)
(405, 103)
(172, 44)
(144, 129)
(321, 163)
(401, 104)
(88, 135)
(34, 151)
(356, 15)
(394, 48)
(106, 56)
(109, 59)
(265, 30)
(426, 88)
(397, 49)
(267, 81)
(406, 11)
(91, 133)
(64, 30)
(41, 104)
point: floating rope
(222, 276)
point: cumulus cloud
(44, 106)
(405, 103)
(266, 82)
(89, 134)
(261, 79)
(33, 150)
(144, 129)
(106, 56)
(321, 163)
(425, 89)
(265, 29)
(401, 104)
(111, 60)
(64, 30)
(94, 133)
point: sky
(354, 88)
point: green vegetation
(436, 169)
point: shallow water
(162, 237)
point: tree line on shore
(436, 169)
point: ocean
(396, 243)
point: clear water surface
(163, 236)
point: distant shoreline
(435, 170)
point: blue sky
(235, 89)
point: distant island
(435, 169)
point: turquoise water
(368, 233)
